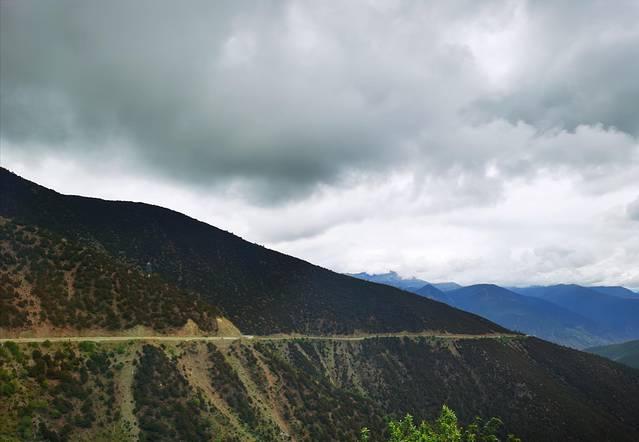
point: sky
(493, 141)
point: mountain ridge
(526, 314)
(261, 291)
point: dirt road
(256, 338)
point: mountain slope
(625, 353)
(530, 315)
(309, 390)
(619, 316)
(261, 291)
(432, 292)
(57, 285)
(620, 292)
(446, 286)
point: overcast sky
(492, 141)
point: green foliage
(13, 349)
(87, 346)
(445, 429)
(163, 406)
(49, 394)
(79, 284)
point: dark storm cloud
(282, 97)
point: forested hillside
(309, 390)
(67, 284)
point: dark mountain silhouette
(530, 315)
(261, 291)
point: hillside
(309, 390)
(261, 291)
(625, 353)
(526, 314)
(50, 284)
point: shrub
(445, 429)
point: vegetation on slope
(47, 279)
(167, 408)
(309, 390)
(53, 392)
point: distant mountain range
(617, 317)
(625, 353)
(409, 284)
(568, 314)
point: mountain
(409, 284)
(124, 273)
(620, 292)
(625, 353)
(526, 314)
(446, 286)
(432, 292)
(618, 316)
(391, 278)
(259, 290)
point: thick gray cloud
(581, 67)
(280, 97)
(479, 141)
(633, 210)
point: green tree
(445, 429)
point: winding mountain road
(256, 338)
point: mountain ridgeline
(261, 291)
(531, 315)
(567, 314)
(75, 266)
